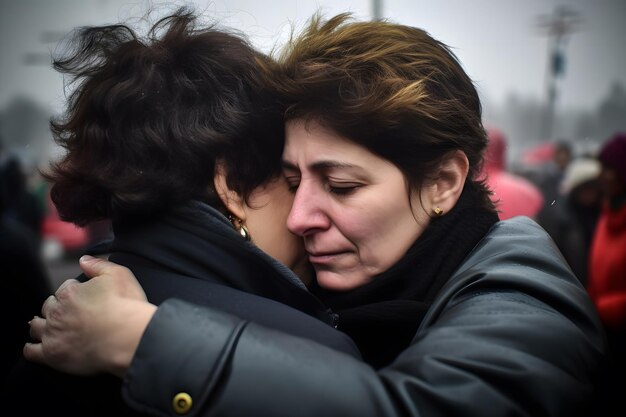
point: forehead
(311, 149)
(310, 142)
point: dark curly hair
(149, 118)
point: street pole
(557, 27)
(377, 9)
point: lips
(324, 257)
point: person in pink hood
(512, 194)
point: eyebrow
(319, 165)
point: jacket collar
(197, 241)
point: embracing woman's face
(350, 206)
(266, 217)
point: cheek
(293, 252)
(268, 226)
(291, 247)
(280, 244)
(391, 232)
(368, 229)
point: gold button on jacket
(182, 403)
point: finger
(47, 305)
(37, 328)
(95, 266)
(64, 284)
(33, 352)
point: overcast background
(501, 44)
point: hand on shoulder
(91, 327)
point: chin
(333, 281)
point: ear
(231, 199)
(449, 182)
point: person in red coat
(513, 195)
(607, 269)
(607, 265)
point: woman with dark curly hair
(456, 313)
(176, 139)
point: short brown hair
(388, 87)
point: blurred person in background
(24, 284)
(21, 204)
(607, 269)
(550, 175)
(513, 195)
(572, 221)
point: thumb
(92, 266)
(120, 280)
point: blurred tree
(521, 118)
(611, 116)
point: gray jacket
(513, 333)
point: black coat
(191, 254)
(511, 333)
(24, 287)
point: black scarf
(383, 316)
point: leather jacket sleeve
(513, 333)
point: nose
(307, 213)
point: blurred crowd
(580, 199)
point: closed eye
(343, 189)
(293, 183)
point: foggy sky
(497, 41)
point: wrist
(124, 348)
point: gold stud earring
(239, 226)
(438, 211)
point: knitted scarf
(383, 316)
